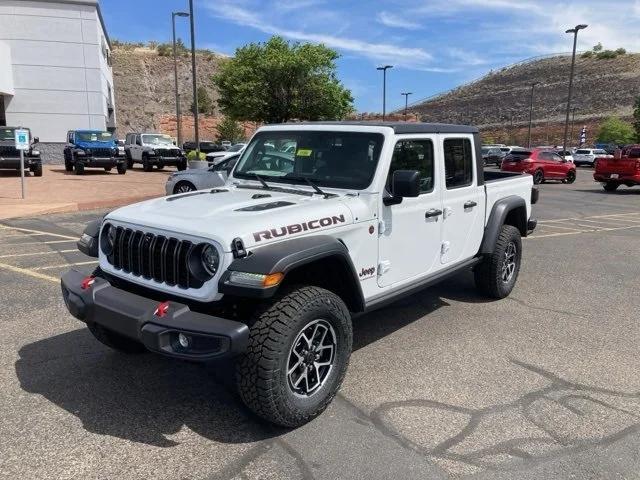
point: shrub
(165, 49)
(192, 155)
(621, 51)
(606, 54)
(598, 47)
(587, 54)
(152, 44)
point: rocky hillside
(144, 85)
(499, 101)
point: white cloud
(395, 21)
(411, 57)
(465, 56)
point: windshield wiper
(317, 189)
(261, 180)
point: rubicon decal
(298, 227)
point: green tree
(277, 81)
(230, 129)
(205, 104)
(636, 118)
(598, 47)
(615, 130)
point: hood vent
(260, 195)
(174, 198)
(264, 206)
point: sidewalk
(60, 191)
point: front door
(410, 239)
(463, 200)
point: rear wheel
(497, 274)
(538, 177)
(114, 340)
(184, 187)
(611, 186)
(298, 353)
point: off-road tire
(115, 341)
(68, 165)
(488, 274)
(146, 165)
(160, 166)
(182, 165)
(37, 170)
(79, 168)
(538, 177)
(127, 155)
(121, 168)
(611, 186)
(261, 373)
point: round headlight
(108, 238)
(210, 259)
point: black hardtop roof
(401, 127)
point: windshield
(583, 152)
(327, 158)
(7, 133)
(236, 148)
(157, 139)
(94, 137)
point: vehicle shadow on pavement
(94, 171)
(619, 191)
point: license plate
(614, 175)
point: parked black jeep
(10, 155)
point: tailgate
(622, 166)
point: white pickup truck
(269, 269)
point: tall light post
(193, 73)
(575, 31)
(175, 75)
(533, 85)
(406, 103)
(384, 88)
(573, 121)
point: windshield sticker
(298, 227)
(304, 152)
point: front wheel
(298, 353)
(37, 170)
(571, 176)
(147, 166)
(182, 165)
(184, 187)
(122, 168)
(497, 274)
(79, 167)
(611, 186)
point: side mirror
(405, 183)
(36, 140)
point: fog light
(184, 341)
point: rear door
(462, 199)
(409, 245)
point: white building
(55, 72)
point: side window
(413, 155)
(138, 140)
(458, 162)
(545, 156)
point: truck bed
(499, 185)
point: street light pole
(406, 103)
(175, 76)
(533, 85)
(573, 120)
(575, 31)
(384, 88)
(193, 73)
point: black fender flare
(497, 218)
(287, 256)
(88, 243)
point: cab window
(413, 155)
(458, 162)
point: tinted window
(413, 155)
(545, 156)
(634, 153)
(458, 162)
(583, 152)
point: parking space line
(21, 244)
(29, 273)
(544, 225)
(76, 264)
(36, 232)
(616, 222)
(48, 252)
(612, 229)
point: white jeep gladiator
(269, 269)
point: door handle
(470, 204)
(434, 212)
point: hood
(81, 144)
(247, 213)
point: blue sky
(434, 45)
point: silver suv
(151, 149)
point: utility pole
(575, 31)
(175, 76)
(195, 84)
(573, 120)
(384, 88)
(406, 103)
(533, 85)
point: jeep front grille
(9, 151)
(156, 257)
(101, 152)
(167, 153)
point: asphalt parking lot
(543, 384)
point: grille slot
(101, 152)
(156, 257)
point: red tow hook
(87, 282)
(162, 309)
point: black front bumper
(14, 162)
(138, 318)
(100, 162)
(169, 161)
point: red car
(542, 163)
(623, 169)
